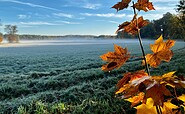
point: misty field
(68, 71)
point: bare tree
(11, 31)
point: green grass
(63, 80)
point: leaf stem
(158, 109)
(140, 42)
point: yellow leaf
(182, 98)
(168, 108)
(168, 75)
(147, 108)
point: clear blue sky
(62, 17)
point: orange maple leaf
(130, 77)
(161, 52)
(144, 5)
(121, 5)
(131, 27)
(136, 99)
(116, 59)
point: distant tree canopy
(181, 7)
(11, 31)
(169, 25)
(181, 14)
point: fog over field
(65, 70)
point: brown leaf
(116, 59)
(144, 5)
(121, 5)
(131, 27)
(157, 92)
(123, 25)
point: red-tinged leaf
(130, 77)
(135, 86)
(116, 59)
(132, 27)
(121, 5)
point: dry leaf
(157, 92)
(116, 59)
(144, 5)
(121, 5)
(131, 27)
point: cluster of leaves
(155, 94)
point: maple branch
(140, 42)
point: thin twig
(140, 42)
(158, 112)
(160, 109)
